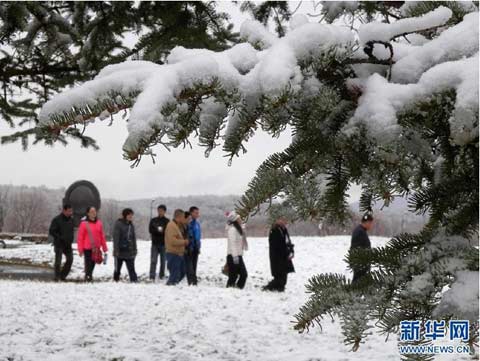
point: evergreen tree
(49, 45)
(278, 11)
(395, 111)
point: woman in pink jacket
(90, 227)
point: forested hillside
(29, 210)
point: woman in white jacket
(237, 243)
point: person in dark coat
(125, 245)
(281, 255)
(360, 240)
(61, 230)
(157, 230)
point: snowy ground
(108, 321)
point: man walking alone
(281, 255)
(361, 240)
(61, 229)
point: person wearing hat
(281, 255)
(237, 243)
(360, 240)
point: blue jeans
(176, 268)
(157, 250)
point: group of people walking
(177, 244)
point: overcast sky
(179, 172)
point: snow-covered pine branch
(244, 75)
(241, 69)
(375, 31)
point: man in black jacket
(281, 255)
(61, 230)
(157, 230)
(360, 240)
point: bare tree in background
(112, 210)
(212, 208)
(4, 204)
(109, 213)
(141, 226)
(29, 211)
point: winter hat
(232, 216)
(367, 217)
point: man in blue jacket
(194, 245)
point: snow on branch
(375, 31)
(126, 79)
(461, 299)
(454, 43)
(152, 88)
(255, 33)
(382, 100)
(199, 90)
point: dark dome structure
(80, 195)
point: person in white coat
(237, 243)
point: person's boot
(63, 276)
(268, 287)
(57, 277)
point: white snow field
(152, 321)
